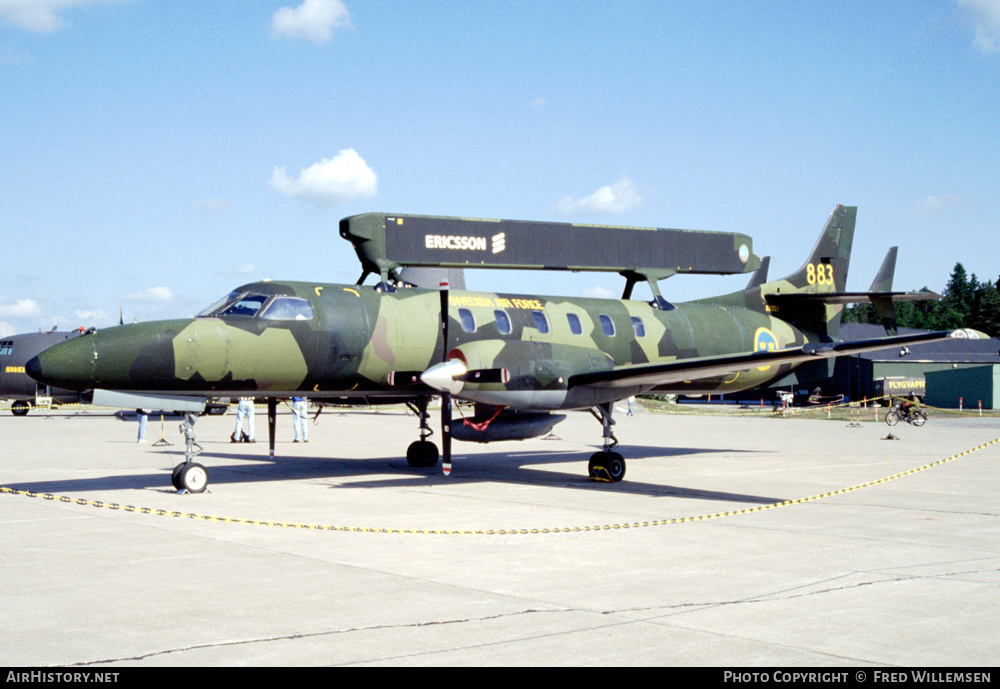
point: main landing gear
(606, 465)
(422, 453)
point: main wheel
(606, 466)
(892, 418)
(616, 466)
(422, 453)
(193, 478)
(918, 418)
(19, 408)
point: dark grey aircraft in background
(15, 385)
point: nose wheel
(189, 476)
(192, 477)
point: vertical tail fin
(806, 297)
(826, 268)
(798, 298)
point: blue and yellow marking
(764, 341)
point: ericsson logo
(445, 241)
(499, 242)
(459, 243)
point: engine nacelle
(530, 365)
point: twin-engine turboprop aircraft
(519, 358)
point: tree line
(966, 303)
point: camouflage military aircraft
(519, 358)
(15, 385)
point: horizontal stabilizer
(849, 297)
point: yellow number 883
(821, 274)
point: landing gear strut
(422, 453)
(606, 465)
(190, 476)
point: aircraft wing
(685, 370)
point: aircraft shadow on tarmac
(510, 468)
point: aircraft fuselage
(279, 339)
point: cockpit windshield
(250, 304)
(237, 304)
(219, 305)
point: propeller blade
(444, 320)
(445, 377)
(446, 433)
(272, 423)
(485, 375)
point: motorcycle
(897, 414)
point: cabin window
(288, 309)
(503, 322)
(638, 326)
(541, 322)
(575, 326)
(6, 347)
(607, 325)
(467, 320)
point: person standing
(143, 415)
(244, 410)
(300, 410)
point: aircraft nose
(68, 365)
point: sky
(154, 155)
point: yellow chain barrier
(493, 532)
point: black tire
(422, 453)
(918, 418)
(20, 408)
(616, 466)
(606, 466)
(175, 477)
(892, 418)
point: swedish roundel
(764, 341)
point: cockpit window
(247, 305)
(288, 309)
(219, 305)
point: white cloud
(39, 15)
(93, 316)
(985, 15)
(153, 295)
(935, 205)
(248, 269)
(22, 308)
(313, 20)
(613, 198)
(212, 206)
(539, 102)
(343, 178)
(598, 292)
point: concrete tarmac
(904, 572)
